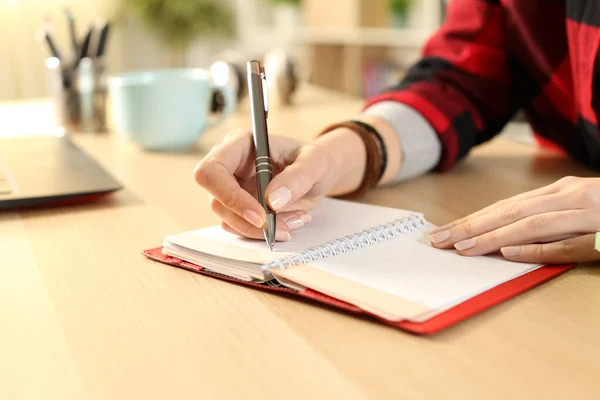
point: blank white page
(410, 268)
(332, 219)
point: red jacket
(493, 57)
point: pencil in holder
(79, 94)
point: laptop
(48, 170)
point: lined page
(410, 268)
(331, 220)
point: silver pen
(259, 109)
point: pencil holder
(79, 95)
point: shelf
(385, 37)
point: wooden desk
(85, 316)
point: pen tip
(271, 247)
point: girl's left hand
(555, 224)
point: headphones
(229, 69)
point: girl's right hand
(302, 175)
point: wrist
(348, 155)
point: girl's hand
(302, 176)
(555, 224)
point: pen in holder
(79, 94)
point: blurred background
(351, 46)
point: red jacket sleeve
(463, 83)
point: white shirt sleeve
(421, 147)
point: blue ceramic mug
(165, 110)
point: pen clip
(263, 78)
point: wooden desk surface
(85, 316)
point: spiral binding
(347, 243)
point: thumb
(308, 169)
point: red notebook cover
(435, 324)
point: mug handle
(230, 98)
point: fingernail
(440, 236)
(279, 197)
(511, 251)
(253, 218)
(294, 223)
(466, 244)
(306, 218)
(282, 236)
(441, 228)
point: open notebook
(377, 259)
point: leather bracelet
(383, 150)
(374, 162)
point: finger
(285, 223)
(243, 229)
(558, 238)
(283, 150)
(308, 170)
(576, 250)
(226, 227)
(215, 173)
(531, 230)
(502, 216)
(282, 237)
(546, 190)
(235, 152)
(282, 232)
